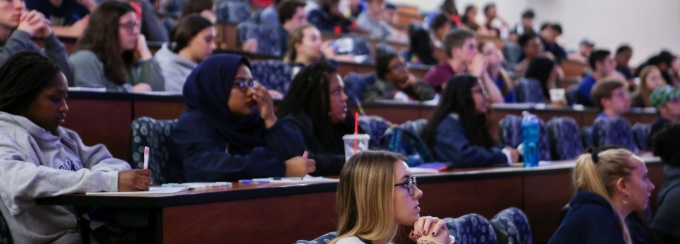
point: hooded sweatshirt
(175, 68)
(666, 225)
(35, 164)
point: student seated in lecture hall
(612, 99)
(532, 47)
(394, 82)
(291, 15)
(39, 158)
(460, 47)
(305, 46)
(371, 21)
(603, 66)
(457, 132)
(112, 53)
(666, 100)
(18, 26)
(547, 72)
(665, 225)
(316, 105)
(229, 130)
(495, 71)
(609, 185)
(423, 41)
(376, 195)
(650, 80)
(192, 40)
(67, 17)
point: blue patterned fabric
(272, 74)
(154, 134)
(5, 235)
(471, 228)
(617, 132)
(587, 136)
(512, 226)
(267, 36)
(325, 238)
(565, 138)
(511, 135)
(641, 133)
(374, 126)
(355, 84)
(362, 47)
(529, 91)
(406, 142)
(232, 11)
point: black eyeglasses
(244, 84)
(410, 185)
(130, 26)
(399, 66)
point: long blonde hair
(365, 196)
(600, 177)
(642, 90)
(295, 37)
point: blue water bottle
(530, 135)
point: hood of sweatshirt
(671, 176)
(165, 55)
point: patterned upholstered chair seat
(512, 227)
(511, 135)
(529, 91)
(355, 84)
(641, 133)
(154, 134)
(471, 228)
(232, 11)
(565, 139)
(617, 132)
(5, 235)
(267, 36)
(272, 74)
(325, 238)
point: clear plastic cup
(361, 141)
(557, 97)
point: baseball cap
(663, 94)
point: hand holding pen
(136, 179)
(300, 166)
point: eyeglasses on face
(130, 26)
(244, 84)
(410, 185)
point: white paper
(152, 190)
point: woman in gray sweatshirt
(112, 53)
(39, 158)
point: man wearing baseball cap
(666, 100)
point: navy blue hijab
(206, 93)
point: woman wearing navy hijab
(229, 131)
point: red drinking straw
(356, 130)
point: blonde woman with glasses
(376, 194)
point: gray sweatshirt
(175, 68)
(89, 72)
(20, 41)
(37, 164)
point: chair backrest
(471, 228)
(5, 235)
(267, 36)
(587, 136)
(155, 134)
(325, 238)
(232, 11)
(511, 135)
(355, 84)
(565, 139)
(529, 91)
(641, 133)
(617, 132)
(272, 74)
(512, 226)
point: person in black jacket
(317, 105)
(424, 41)
(229, 131)
(666, 225)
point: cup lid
(356, 136)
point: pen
(248, 181)
(146, 157)
(305, 155)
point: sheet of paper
(418, 171)
(306, 179)
(152, 190)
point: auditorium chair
(5, 235)
(355, 84)
(512, 226)
(325, 238)
(471, 228)
(613, 132)
(267, 36)
(565, 138)
(156, 135)
(510, 129)
(272, 74)
(232, 11)
(529, 90)
(641, 133)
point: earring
(624, 200)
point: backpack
(400, 140)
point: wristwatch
(452, 240)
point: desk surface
(284, 209)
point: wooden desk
(573, 68)
(285, 213)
